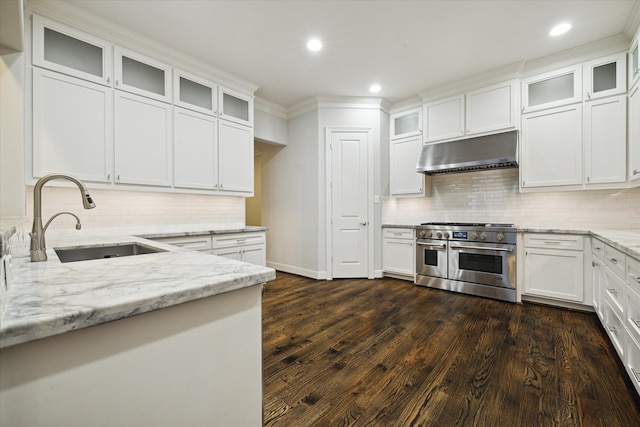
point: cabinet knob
(589, 95)
(118, 177)
(108, 79)
(636, 171)
(108, 176)
(117, 82)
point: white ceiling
(405, 46)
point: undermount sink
(85, 253)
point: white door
(349, 189)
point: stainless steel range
(472, 258)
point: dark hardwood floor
(387, 353)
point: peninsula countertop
(48, 298)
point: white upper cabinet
(634, 64)
(195, 147)
(66, 50)
(235, 106)
(443, 119)
(492, 108)
(407, 123)
(552, 147)
(139, 74)
(605, 76)
(235, 151)
(194, 93)
(486, 110)
(634, 135)
(404, 180)
(552, 89)
(142, 132)
(605, 140)
(72, 127)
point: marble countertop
(49, 298)
(627, 241)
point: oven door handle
(482, 248)
(431, 245)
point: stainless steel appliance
(472, 258)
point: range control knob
(423, 233)
(446, 234)
(499, 237)
(429, 233)
(439, 235)
(473, 235)
(483, 236)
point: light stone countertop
(49, 298)
(627, 241)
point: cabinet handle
(108, 79)
(613, 260)
(551, 242)
(594, 264)
(523, 108)
(118, 177)
(637, 322)
(117, 82)
(108, 176)
(636, 374)
(597, 248)
(612, 329)
(587, 180)
(612, 292)
(364, 224)
(636, 171)
(523, 183)
(589, 95)
(636, 278)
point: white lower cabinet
(142, 140)
(554, 267)
(246, 247)
(398, 252)
(619, 301)
(597, 279)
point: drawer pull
(613, 260)
(597, 248)
(612, 329)
(612, 291)
(397, 234)
(594, 264)
(636, 278)
(551, 243)
(636, 374)
(637, 322)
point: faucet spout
(38, 244)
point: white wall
(492, 196)
(290, 199)
(270, 128)
(12, 192)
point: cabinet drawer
(615, 329)
(632, 364)
(240, 239)
(554, 241)
(615, 260)
(633, 314)
(633, 273)
(195, 243)
(597, 248)
(614, 292)
(398, 233)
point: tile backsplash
(493, 196)
(116, 208)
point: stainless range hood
(497, 151)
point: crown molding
(73, 16)
(269, 107)
(632, 26)
(405, 105)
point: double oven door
(485, 263)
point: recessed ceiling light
(314, 45)
(375, 88)
(560, 29)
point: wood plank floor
(388, 353)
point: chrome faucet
(38, 245)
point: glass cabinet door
(142, 75)
(194, 93)
(407, 123)
(72, 52)
(605, 76)
(554, 89)
(634, 65)
(235, 106)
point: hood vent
(497, 151)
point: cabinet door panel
(398, 256)
(605, 76)
(552, 89)
(235, 152)
(142, 75)
(403, 176)
(231, 253)
(195, 150)
(407, 123)
(142, 141)
(552, 147)
(555, 274)
(492, 108)
(72, 127)
(605, 140)
(444, 119)
(235, 106)
(634, 136)
(254, 255)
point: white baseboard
(313, 274)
